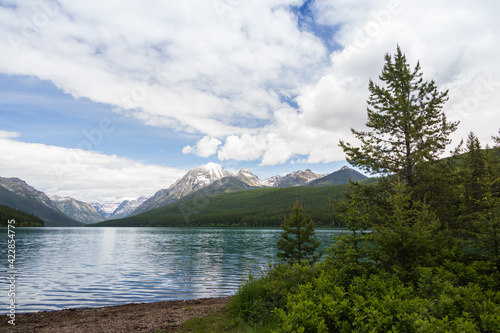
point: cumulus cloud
(243, 148)
(223, 70)
(84, 175)
(205, 147)
(153, 62)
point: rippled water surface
(61, 268)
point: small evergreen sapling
(350, 248)
(297, 242)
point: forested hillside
(51, 216)
(250, 208)
(22, 219)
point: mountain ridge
(17, 194)
(200, 177)
(205, 180)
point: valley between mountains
(208, 195)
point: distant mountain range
(95, 212)
(15, 193)
(212, 178)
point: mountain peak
(214, 170)
(249, 178)
(212, 166)
(345, 167)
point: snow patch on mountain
(247, 177)
(192, 181)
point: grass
(223, 321)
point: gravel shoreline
(142, 317)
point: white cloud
(81, 174)
(8, 135)
(244, 148)
(175, 64)
(204, 67)
(205, 147)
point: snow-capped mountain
(213, 178)
(79, 210)
(126, 208)
(106, 209)
(297, 178)
(247, 177)
(211, 173)
(95, 212)
(192, 181)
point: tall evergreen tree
(497, 139)
(406, 120)
(488, 223)
(407, 133)
(297, 242)
(475, 174)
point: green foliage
(398, 268)
(257, 298)
(406, 121)
(223, 321)
(382, 303)
(422, 249)
(440, 186)
(297, 242)
(51, 217)
(497, 139)
(488, 225)
(475, 174)
(22, 219)
(409, 236)
(353, 247)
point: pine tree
(297, 242)
(350, 248)
(475, 174)
(497, 139)
(488, 223)
(410, 236)
(406, 121)
(407, 132)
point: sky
(106, 100)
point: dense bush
(382, 303)
(258, 297)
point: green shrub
(383, 303)
(256, 299)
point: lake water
(60, 268)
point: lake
(60, 268)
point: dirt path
(144, 317)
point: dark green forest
(22, 219)
(252, 208)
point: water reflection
(90, 267)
